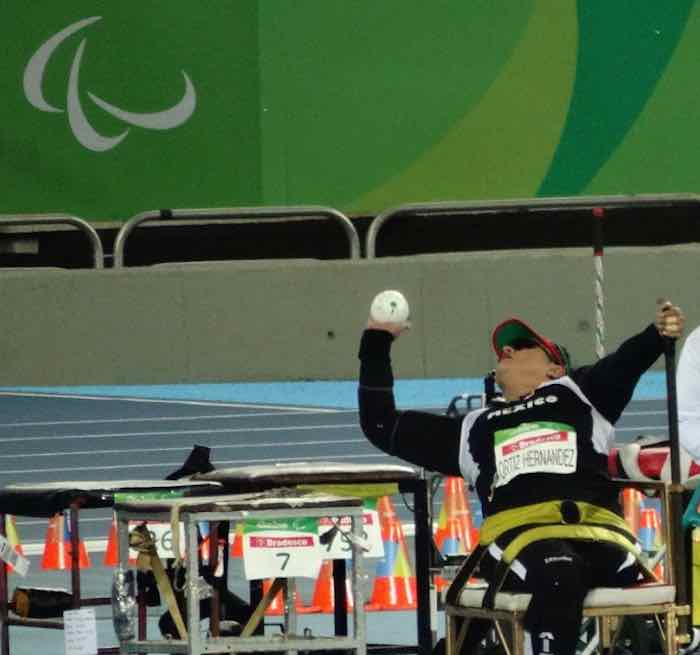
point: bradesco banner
(110, 108)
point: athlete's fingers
(396, 329)
(670, 319)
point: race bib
(538, 447)
(339, 546)
(281, 548)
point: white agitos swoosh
(34, 72)
(162, 120)
(80, 126)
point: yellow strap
(547, 512)
(572, 531)
(255, 618)
(148, 559)
(695, 558)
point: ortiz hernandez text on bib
(538, 447)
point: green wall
(358, 105)
(297, 320)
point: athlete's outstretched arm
(427, 440)
(609, 384)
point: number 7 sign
(281, 548)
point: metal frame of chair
(657, 600)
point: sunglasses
(523, 344)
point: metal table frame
(196, 645)
(75, 590)
(409, 481)
(71, 498)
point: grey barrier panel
(7, 220)
(521, 205)
(227, 213)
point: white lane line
(637, 428)
(22, 523)
(92, 546)
(645, 413)
(203, 417)
(166, 401)
(172, 433)
(169, 465)
(139, 451)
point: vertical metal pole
(74, 554)
(599, 279)
(142, 615)
(672, 408)
(423, 539)
(215, 610)
(340, 597)
(359, 628)
(291, 621)
(194, 640)
(4, 599)
(678, 546)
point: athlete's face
(523, 366)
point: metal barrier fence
(11, 220)
(233, 213)
(500, 207)
(520, 206)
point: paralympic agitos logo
(84, 132)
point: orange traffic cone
(204, 542)
(237, 545)
(57, 547)
(455, 534)
(647, 530)
(631, 506)
(111, 557)
(276, 607)
(324, 597)
(658, 534)
(12, 537)
(650, 536)
(394, 584)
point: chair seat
(644, 594)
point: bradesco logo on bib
(539, 447)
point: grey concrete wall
(293, 320)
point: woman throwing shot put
(536, 457)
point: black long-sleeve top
(550, 445)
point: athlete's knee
(560, 573)
(557, 582)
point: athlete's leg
(554, 573)
(608, 565)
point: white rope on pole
(599, 279)
(599, 308)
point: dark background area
(407, 234)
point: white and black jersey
(553, 444)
